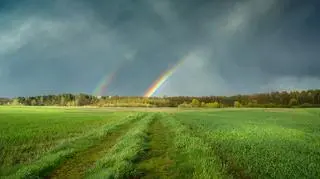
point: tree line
(306, 98)
(4, 101)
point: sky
(227, 46)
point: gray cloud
(248, 46)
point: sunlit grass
(27, 137)
(119, 161)
(262, 144)
(219, 143)
(193, 156)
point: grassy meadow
(48, 142)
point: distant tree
(310, 98)
(15, 102)
(213, 105)
(306, 105)
(82, 99)
(237, 104)
(195, 103)
(293, 102)
(71, 103)
(41, 100)
(253, 103)
(33, 102)
(184, 105)
(307, 98)
(62, 101)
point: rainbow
(108, 79)
(104, 84)
(161, 80)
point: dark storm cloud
(227, 47)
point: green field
(169, 143)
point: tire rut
(77, 165)
(156, 163)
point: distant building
(99, 97)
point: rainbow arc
(109, 78)
(161, 80)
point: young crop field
(171, 143)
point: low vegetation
(42, 142)
(259, 144)
(119, 161)
(34, 142)
(194, 157)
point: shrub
(237, 104)
(184, 105)
(306, 105)
(213, 105)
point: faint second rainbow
(161, 80)
(104, 84)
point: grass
(119, 161)
(255, 144)
(157, 161)
(28, 137)
(103, 143)
(76, 166)
(193, 156)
